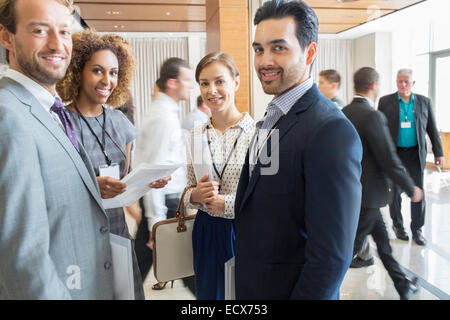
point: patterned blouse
(220, 147)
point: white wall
(415, 32)
(374, 50)
(364, 52)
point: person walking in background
(299, 195)
(329, 84)
(379, 162)
(53, 239)
(98, 78)
(410, 117)
(161, 141)
(228, 133)
(197, 117)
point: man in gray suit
(54, 239)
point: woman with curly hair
(97, 81)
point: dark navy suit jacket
(295, 229)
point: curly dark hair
(85, 44)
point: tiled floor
(430, 263)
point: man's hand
(205, 191)
(161, 183)
(110, 187)
(439, 161)
(418, 195)
(150, 242)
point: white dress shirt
(160, 141)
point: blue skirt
(213, 245)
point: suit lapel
(417, 112)
(80, 161)
(284, 126)
(396, 116)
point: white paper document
(230, 293)
(137, 183)
(122, 267)
(199, 154)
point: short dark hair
(170, 70)
(363, 79)
(305, 18)
(331, 75)
(199, 101)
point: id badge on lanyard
(405, 124)
(112, 170)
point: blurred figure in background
(197, 117)
(161, 141)
(410, 117)
(329, 84)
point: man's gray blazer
(54, 239)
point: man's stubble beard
(35, 70)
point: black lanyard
(406, 111)
(102, 145)
(220, 175)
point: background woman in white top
(229, 133)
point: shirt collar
(287, 100)
(246, 123)
(372, 104)
(45, 98)
(411, 100)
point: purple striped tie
(64, 116)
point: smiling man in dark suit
(379, 162)
(297, 207)
(410, 117)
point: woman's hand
(161, 183)
(217, 205)
(110, 187)
(205, 191)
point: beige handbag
(172, 247)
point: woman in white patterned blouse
(228, 133)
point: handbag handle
(180, 215)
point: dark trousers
(213, 245)
(371, 222)
(143, 253)
(410, 159)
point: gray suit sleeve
(382, 147)
(26, 268)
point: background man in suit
(54, 240)
(410, 116)
(296, 216)
(379, 160)
(329, 84)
